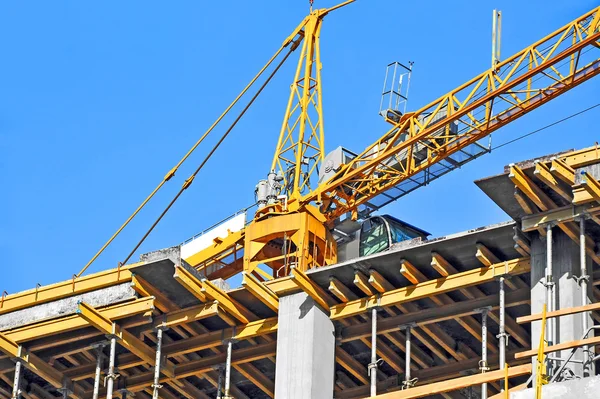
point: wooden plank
(558, 313)
(560, 347)
(457, 383)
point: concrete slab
(66, 306)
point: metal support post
(408, 381)
(226, 394)
(98, 373)
(483, 364)
(502, 336)
(156, 386)
(16, 393)
(65, 391)
(549, 291)
(373, 365)
(583, 281)
(111, 376)
(220, 383)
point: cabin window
(373, 236)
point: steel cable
(190, 179)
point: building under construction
(338, 299)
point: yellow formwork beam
(188, 315)
(73, 322)
(311, 289)
(591, 185)
(230, 305)
(190, 282)
(563, 171)
(38, 366)
(126, 339)
(65, 289)
(260, 291)
(430, 288)
(543, 173)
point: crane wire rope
(546, 126)
(172, 172)
(190, 179)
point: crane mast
(292, 227)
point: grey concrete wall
(585, 388)
(567, 291)
(305, 350)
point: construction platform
(310, 335)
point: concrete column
(305, 360)
(567, 292)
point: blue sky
(99, 100)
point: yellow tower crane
(300, 205)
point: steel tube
(407, 359)
(110, 377)
(98, 373)
(228, 369)
(502, 338)
(484, 316)
(220, 384)
(16, 394)
(373, 364)
(583, 281)
(156, 384)
(549, 290)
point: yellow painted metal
(297, 239)
(187, 315)
(543, 173)
(541, 377)
(73, 322)
(125, 338)
(530, 189)
(429, 288)
(301, 144)
(563, 171)
(190, 282)
(231, 306)
(310, 288)
(479, 107)
(591, 185)
(260, 291)
(65, 289)
(219, 246)
(38, 366)
(341, 292)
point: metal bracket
(372, 366)
(504, 335)
(547, 283)
(406, 384)
(585, 278)
(483, 366)
(114, 376)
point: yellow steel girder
(519, 84)
(39, 367)
(73, 322)
(260, 291)
(428, 288)
(125, 338)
